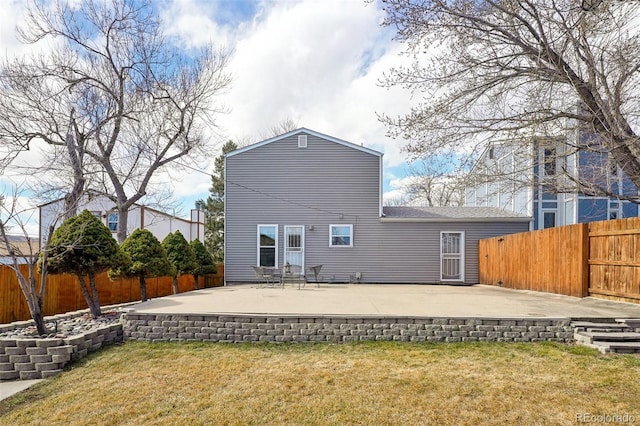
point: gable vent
(302, 141)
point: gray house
(305, 198)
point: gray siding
(330, 183)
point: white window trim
(302, 141)
(462, 257)
(331, 226)
(258, 242)
(619, 211)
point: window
(549, 220)
(615, 209)
(340, 235)
(112, 221)
(491, 153)
(267, 245)
(452, 256)
(549, 161)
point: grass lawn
(303, 384)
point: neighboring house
(24, 249)
(309, 199)
(140, 217)
(534, 181)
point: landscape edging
(40, 358)
(235, 328)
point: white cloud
(193, 24)
(12, 13)
(20, 214)
(316, 62)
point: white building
(140, 217)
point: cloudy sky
(316, 62)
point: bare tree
(135, 103)
(283, 126)
(435, 181)
(436, 190)
(32, 284)
(396, 201)
(521, 70)
(36, 106)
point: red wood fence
(599, 258)
(63, 292)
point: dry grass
(373, 383)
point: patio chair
(293, 273)
(264, 275)
(315, 270)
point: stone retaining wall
(24, 359)
(266, 328)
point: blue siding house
(539, 181)
(307, 199)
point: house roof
(142, 206)
(20, 244)
(451, 214)
(308, 132)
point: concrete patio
(386, 300)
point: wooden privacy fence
(63, 292)
(598, 258)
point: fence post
(583, 289)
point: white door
(452, 256)
(294, 245)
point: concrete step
(630, 322)
(608, 326)
(609, 330)
(619, 347)
(594, 336)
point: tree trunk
(95, 311)
(196, 284)
(123, 218)
(38, 319)
(175, 284)
(96, 296)
(76, 155)
(38, 295)
(143, 289)
(35, 306)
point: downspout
(224, 245)
(380, 186)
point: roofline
(533, 139)
(310, 132)
(456, 219)
(141, 206)
(490, 144)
